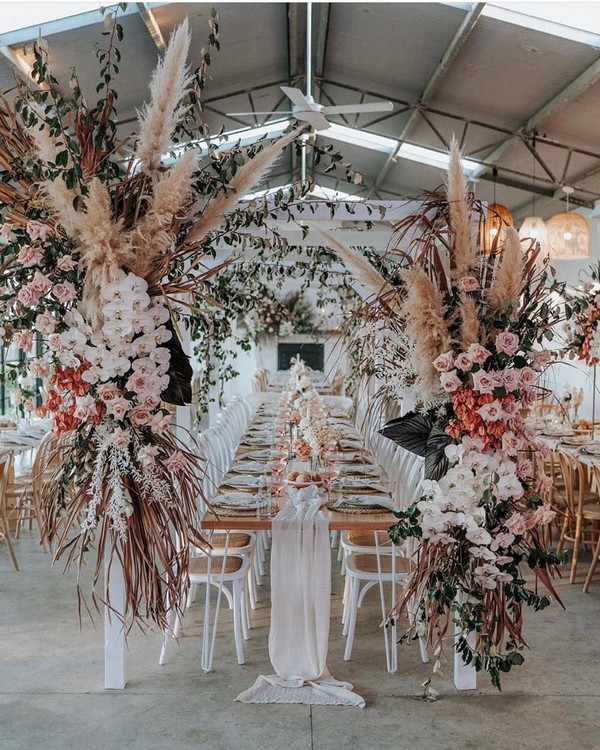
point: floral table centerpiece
(463, 347)
(103, 248)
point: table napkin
(300, 610)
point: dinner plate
(244, 500)
(241, 481)
(253, 440)
(345, 443)
(365, 469)
(576, 440)
(357, 483)
(591, 450)
(265, 454)
(369, 501)
(250, 467)
(558, 433)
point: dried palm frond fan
(103, 259)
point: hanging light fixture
(534, 227)
(492, 227)
(569, 234)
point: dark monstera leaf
(436, 460)
(179, 390)
(410, 431)
(424, 435)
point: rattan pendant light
(569, 234)
(493, 226)
(534, 227)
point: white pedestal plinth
(465, 676)
(115, 647)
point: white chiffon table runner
(300, 610)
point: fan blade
(250, 114)
(352, 109)
(314, 119)
(297, 97)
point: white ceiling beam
(458, 40)
(151, 24)
(60, 25)
(20, 65)
(577, 87)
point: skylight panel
(578, 22)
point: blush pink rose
(450, 381)
(527, 376)
(28, 297)
(24, 340)
(491, 412)
(107, 391)
(528, 397)
(45, 323)
(511, 443)
(40, 283)
(543, 484)
(524, 468)
(64, 292)
(85, 406)
(159, 423)
(507, 343)
(147, 455)
(54, 343)
(544, 515)
(66, 263)
(117, 407)
(482, 382)
(511, 379)
(141, 415)
(510, 408)
(468, 284)
(517, 524)
(444, 362)
(464, 362)
(542, 449)
(37, 231)
(541, 359)
(39, 367)
(479, 354)
(121, 439)
(30, 256)
(175, 462)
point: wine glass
(330, 473)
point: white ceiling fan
(304, 107)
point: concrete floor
(52, 696)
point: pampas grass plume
(169, 85)
(424, 313)
(508, 281)
(460, 214)
(365, 273)
(245, 180)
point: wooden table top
(338, 521)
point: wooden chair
(27, 493)
(591, 515)
(6, 465)
(581, 507)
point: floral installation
(284, 317)
(102, 256)
(467, 332)
(584, 324)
